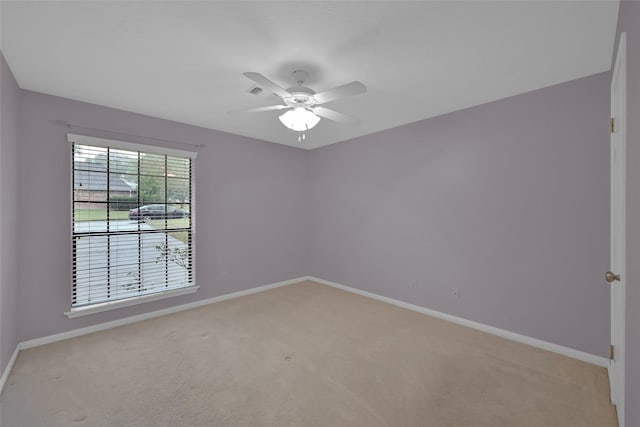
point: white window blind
(132, 222)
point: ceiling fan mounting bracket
(300, 76)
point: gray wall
(507, 201)
(8, 213)
(629, 21)
(251, 216)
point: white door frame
(618, 206)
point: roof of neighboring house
(93, 177)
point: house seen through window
(132, 221)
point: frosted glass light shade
(299, 119)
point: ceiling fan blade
(267, 84)
(335, 116)
(350, 89)
(259, 109)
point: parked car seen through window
(157, 212)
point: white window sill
(112, 305)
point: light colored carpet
(301, 355)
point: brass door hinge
(612, 352)
(612, 126)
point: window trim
(125, 145)
(76, 138)
(126, 302)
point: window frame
(79, 139)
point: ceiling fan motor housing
(300, 97)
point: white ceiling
(184, 61)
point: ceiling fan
(304, 104)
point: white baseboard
(133, 319)
(7, 370)
(565, 351)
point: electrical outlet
(225, 276)
(455, 292)
(413, 283)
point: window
(132, 223)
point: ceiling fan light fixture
(299, 119)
